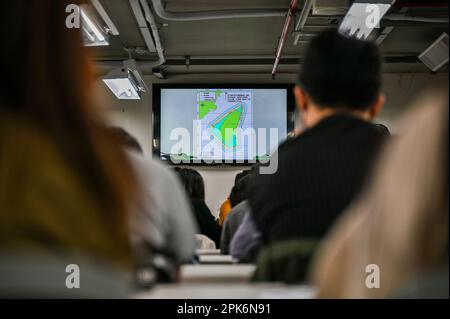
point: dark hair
(239, 192)
(341, 72)
(192, 182)
(382, 129)
(176, 169)
(241, 175)
(126, 139)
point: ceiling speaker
(436, 55)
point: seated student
(162, 229)
(226, 206)
(195, 188)
(245, 244)
(65, 185)
(395, 237)
(240, 207)
(323, 168)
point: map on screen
(222, 113)
(221, 123)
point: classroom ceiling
(247, 45)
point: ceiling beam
(283, 61)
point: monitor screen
(220, 124)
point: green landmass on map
(224, 128)
(207, 106)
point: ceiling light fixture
(126, 82)
(110, 26)
(93, 35)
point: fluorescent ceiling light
(123, 88)
(126, 83)
(93, 35)
(111, 27)
(363, 17)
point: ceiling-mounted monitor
(206, 124)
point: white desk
(216, 273)
(201, 252)
(216, 259)
(228, 291)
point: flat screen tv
(205, 124)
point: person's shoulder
(353, 125)
(240, 208)
(293, 145)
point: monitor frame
(156, 108)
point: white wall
(136, 116)
(402, 90)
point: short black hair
(193, 183)
(341, 72)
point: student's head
(241, 175)
(193, 183)
(239, 191)
(339, 74)
(127, 140)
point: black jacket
(319, 173)
(206, 221)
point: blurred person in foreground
(195, 188)
(65, 185)
(162, 227)
(400, 224)
(323, 168)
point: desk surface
(200, 252)
(216, 273)
(216, 259)
(227, 291)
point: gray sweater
(162, 217)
